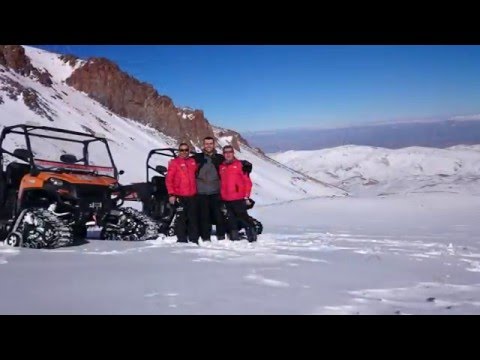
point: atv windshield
(70, 156)
(62, 151)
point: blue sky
(274, 87)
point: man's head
(228, 152)
(209, 144)
(183, 150)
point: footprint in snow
(260, 280)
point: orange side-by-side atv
(52, 188)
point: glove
(223, 209)
(246, 166)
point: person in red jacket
(182, 190)
(235, 189)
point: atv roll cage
(67, 161)
(168, 152)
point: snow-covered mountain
(365, 170)
(416, 254)
(35, 89)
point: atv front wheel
(39, 229)
(13, 239)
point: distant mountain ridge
(365, 170)
(461, 130)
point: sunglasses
(183, 150)
(228, 152)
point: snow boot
(251, 234)
(234, 235)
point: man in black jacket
(208, 187)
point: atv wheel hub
(13, 240)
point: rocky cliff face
(105, 82)
(236, 138)
(13, 57)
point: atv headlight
(56, 182)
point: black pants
(237, 212)
(186, 223)
(210, 213)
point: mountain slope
(52, 102)
(369, 170)
(273, 181)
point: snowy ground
(417, 254)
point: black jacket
(217, 159)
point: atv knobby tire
(39, 229)
(131, 225)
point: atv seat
(14, 174)
(159, 187)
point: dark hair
(227, 147)
(208, 138)
(184, 144)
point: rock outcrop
(13, 57)
(237, 139)
(105, 82)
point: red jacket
(180, 179)
(235, 184)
